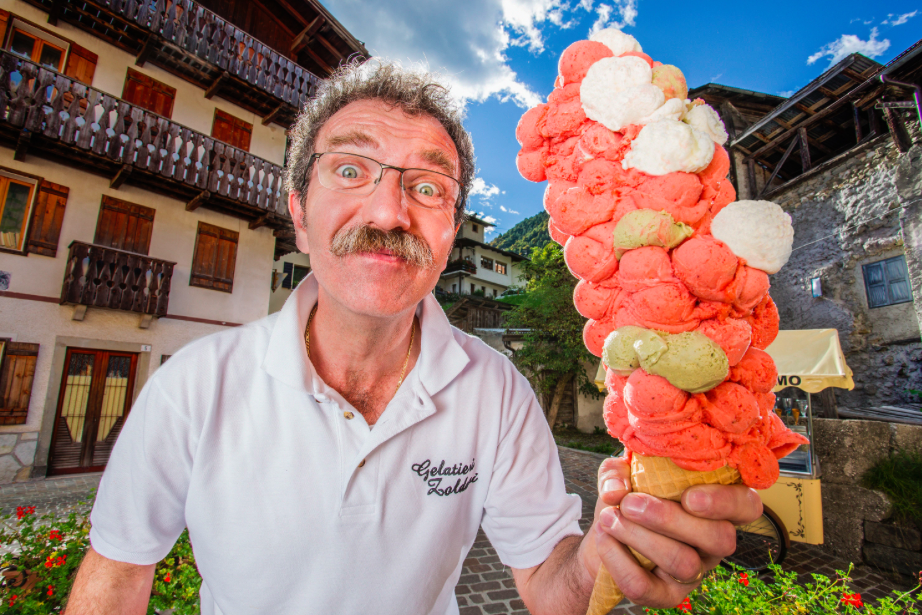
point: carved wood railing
(200, 32)
(99, 276)
(42, 101)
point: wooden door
(96, 392)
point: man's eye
(427, 189)
(348, 171)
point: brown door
(95, 398)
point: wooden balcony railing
(44, 109)
(460, 265)
(212, 49)
(99, 276)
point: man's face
(376, 282)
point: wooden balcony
(460, 266)
(190, 41)
(46, 113)
(99, 276)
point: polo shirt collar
(441, 357)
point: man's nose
(386, 207)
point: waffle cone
(660, 477)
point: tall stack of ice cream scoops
(673, 270)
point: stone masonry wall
(856, 521)
(845, 216)
(17, 455)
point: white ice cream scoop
(666, 146)
(758, 231)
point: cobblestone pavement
(485, 586)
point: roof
(476, 220)
(467, 242)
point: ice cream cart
(808, 361)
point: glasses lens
(429, 189)
(348, 172)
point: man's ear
(297, 219)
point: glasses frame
(449, 211)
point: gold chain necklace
(406, 360)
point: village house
(477, 268)
(141, 198)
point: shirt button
(361, 464)
(348, 415)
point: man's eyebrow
(439, 159)
(353, 137)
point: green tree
(528, 234)
(553, 353)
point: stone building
(141, 205)
(843, 156)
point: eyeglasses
(360, 175)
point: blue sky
(500, 56)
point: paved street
(485, 586)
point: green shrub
(45, 554)
(900, 477)
(731, 591)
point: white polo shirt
(295, 506)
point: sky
(500, 56)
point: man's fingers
(711, 537)
(737, 504)
(638, 585)
(614, 480)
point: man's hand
(681, 539)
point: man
(338, 457)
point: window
(494, 292)
(486, 263)
(214, 258)
(149, 93)
(294, 274)
(15, 205)
(887, 282)
(500, 267)
(474, 227)
(17, 370)
(232, 130)
(125, 226)
(454, 288)
(38, 46)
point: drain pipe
(917, 92)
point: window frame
(5, 178)
(140, 78)
(236, 124)
(887, 281)
(202, 279)
(41, 35)
(505, 268)
(484, 260)
(294, 274)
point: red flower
(853, 600)
(51, 590)
(13, 599)
(167, 577)
(55, 535)
(51, 562)
(22, 511)
(744, 579)
(685, 606)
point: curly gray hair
(415, 93)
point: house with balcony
(141, 197)
(477, 268)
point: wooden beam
(320, 61)
(283, 233)
(272, 114)
(147, 50)
(751, 168)
(258, 222)
(22, 146)
(856, 118)
(120, 177)
(898, 130)
(213, 88)
(778, 166)
(294, 12)
(804, 149)
(874, 121)
(304, 37)
(201, 198)
(323, 41)
(853, 75)
(56, 12)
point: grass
(512, 299)
(900, 477)
(597, 442)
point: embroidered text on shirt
(433, 476)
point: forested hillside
(527, 234)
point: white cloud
(899, 20)
(617, 14)
(510, 211)
(787, 93)
(716, 77)
(848, 44)
(482, 189)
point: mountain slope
(527, 234)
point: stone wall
(17, 454)
(857, 522)
(846, 214)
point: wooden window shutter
(4, 22)
(16, 375)
(148, 93)
(125, 226)
(215, 258)
(232, 130)
(47, 218)
(81, 64)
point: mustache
(363, 239)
